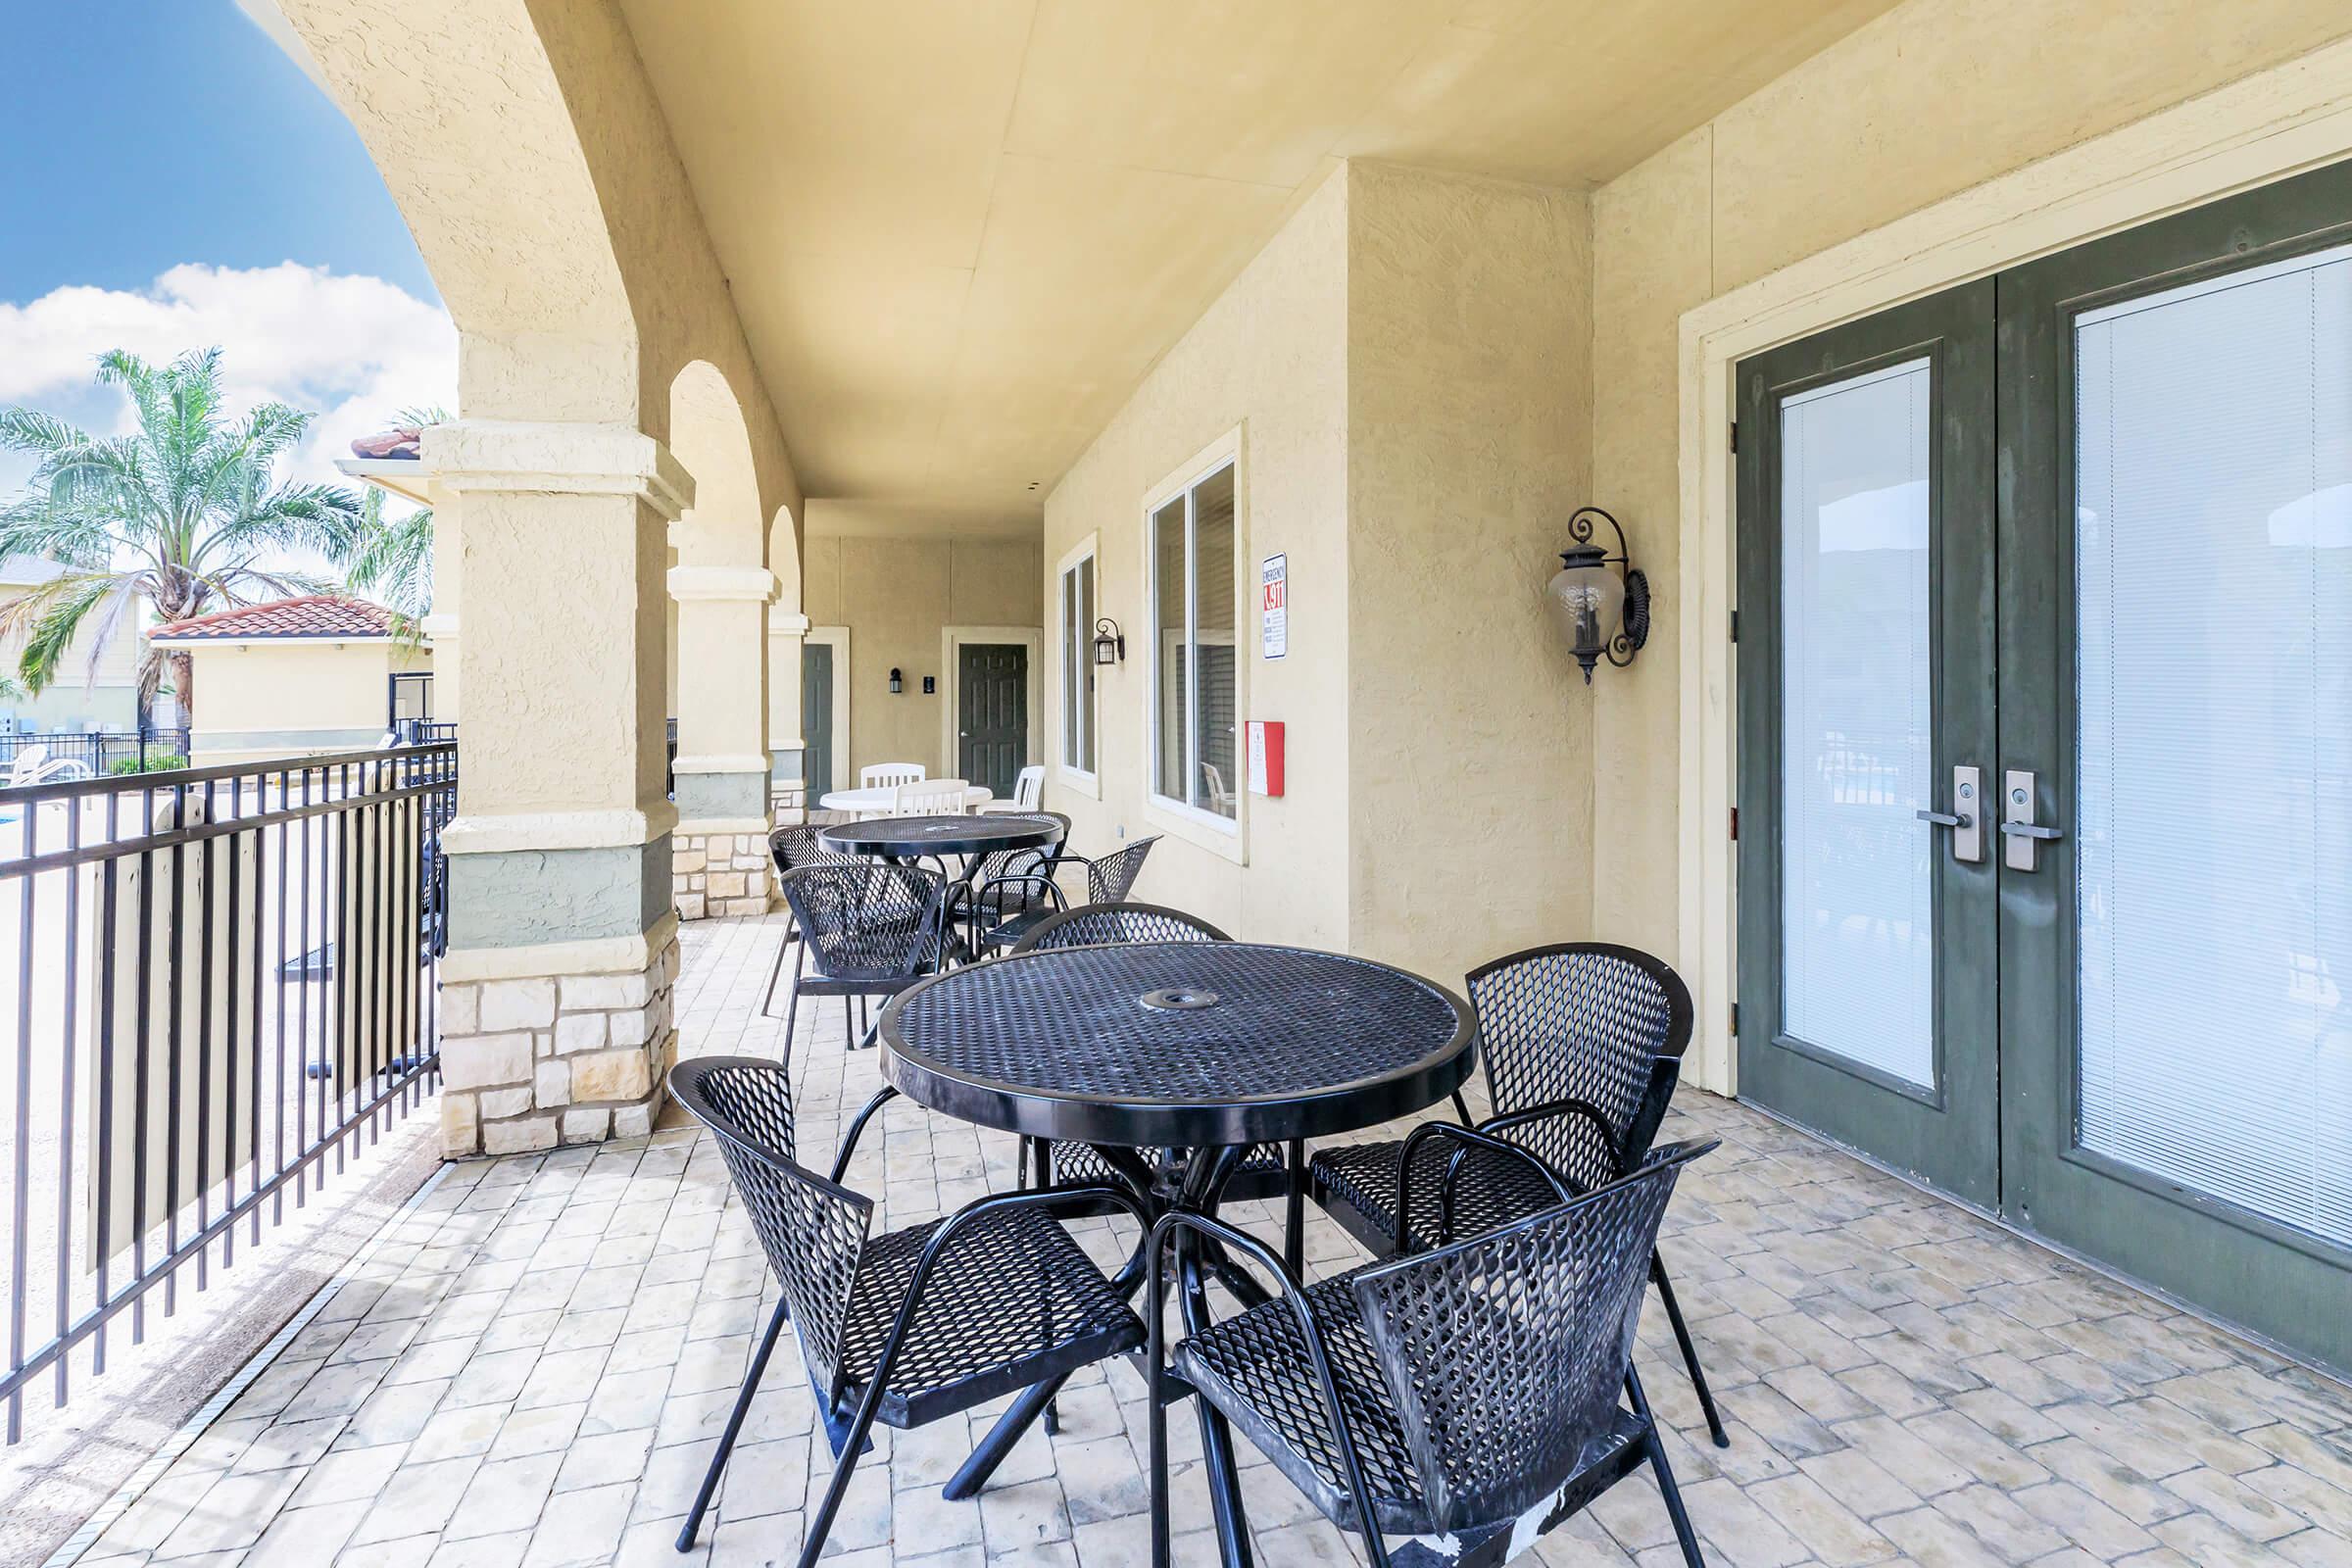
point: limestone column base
(721, 869)
(533, 1060)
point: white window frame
(1224, 836)
(1075, 647)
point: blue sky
(174, 130)
(176, 182)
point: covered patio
(1840, 501)
(532, 1364)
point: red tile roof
(322, 615)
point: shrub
(157, 763)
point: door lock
(1966, 819)
(2019, 796)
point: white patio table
(875, 801)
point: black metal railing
(99, 750)
(223, 977)
(424, 731)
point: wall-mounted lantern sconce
(896, 685)
(1599, 602)
(1111, 644)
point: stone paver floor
(534, 1367)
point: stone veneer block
(485, 1060)
(518, 1004)
(519, 1135)
(587, 1125)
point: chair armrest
(1040, 879)
(849, 1143)
(1294, 1299)
(1553, 1110)
(1465, 1139)
(962, 1220)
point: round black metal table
(1204, 1046)
(905, 838)
(974, 838)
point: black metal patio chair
(1582, 1044)
(907, 1326)
(1466, 1397)
(1011, 883)
(792, 848)
(1266, 1170)
(868, 928)
(1109, 878)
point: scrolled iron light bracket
(1593, 589)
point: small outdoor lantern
(896, 685)
(1111, 644)
(1600, 602)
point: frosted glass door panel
(1856, 668)
(2213, 541)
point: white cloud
(351, 349)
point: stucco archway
(720, 587)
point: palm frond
(65, 603)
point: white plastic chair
(888, 775)
(1028, 792)
(26, 768)
(1218, 798)
(939, 796)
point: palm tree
(187, 514)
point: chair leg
(1655, 1446)
(820, 1523)
(1682, 1337)
(726, 1439)
(1293, 1233)
(849, 1024)
(775, 972)
(792, 1018)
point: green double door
(2045, 749)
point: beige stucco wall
(1933, 98)
(896, 596)
(1407, 365)
(267, 699)
(1469, 344)
(82, 696)
(1268, 357)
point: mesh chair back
(1024, 862)
(1588, 1021)
(1110, 878)
(867, 920)
(1506, 1353)
(792, 848)
(1094, 925)
(811, 1230)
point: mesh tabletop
(938, 835)
(1179, 1042)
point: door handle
(1968, 830)
(2019, 795)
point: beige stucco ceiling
(960, 232)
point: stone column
(788, 794)
(556, 1016)
(720, 863)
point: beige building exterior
(291, 677)
(101, 694)
(784, 324)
